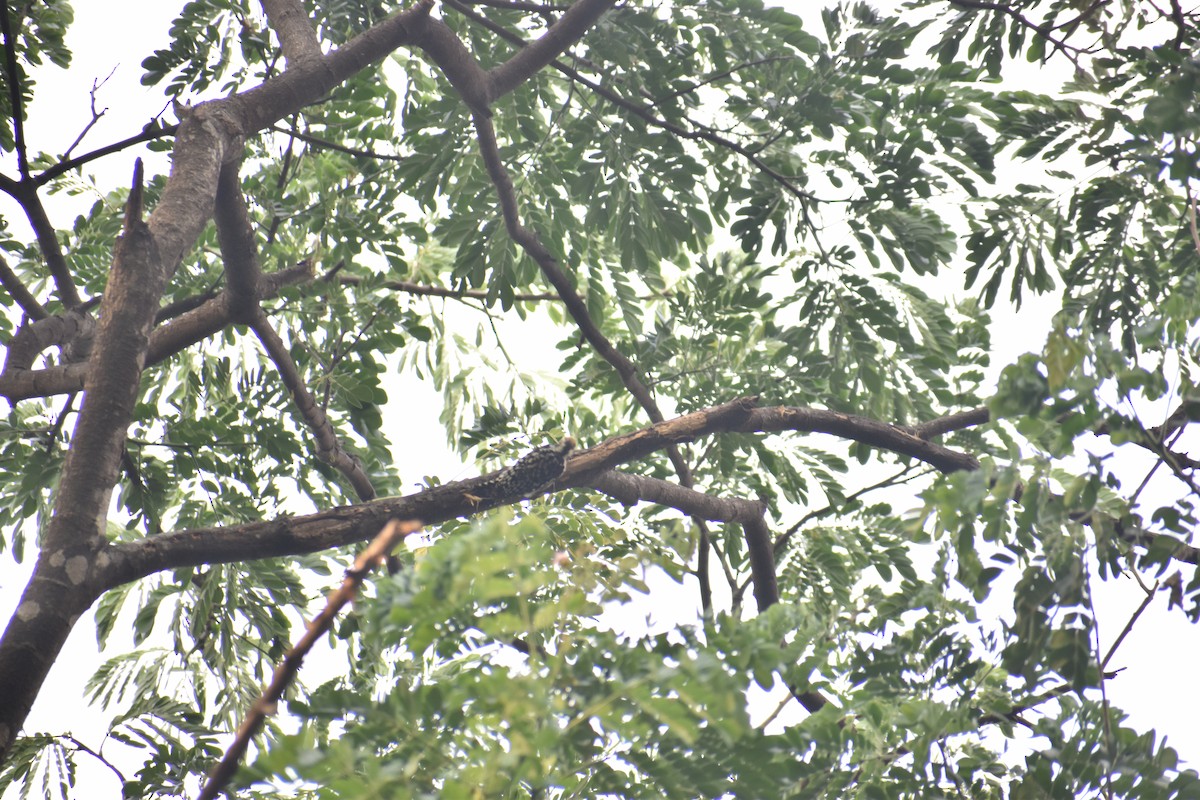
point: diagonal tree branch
(240, 255)
(527, 61)
(20, 293)
(374, 554)
(68, 572)
(26, 194)
(329, 449)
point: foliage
(819, 209)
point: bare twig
(285, 673)
(325, 144)
(96, 115)
(1112, 650)
(408, 287)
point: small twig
(441, 291)
(96, 755)
(96, 115)
(778, 710)
(725, 73)
(1128, 625)
(316, 141)
(56, 431)
(285, 673)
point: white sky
(1158, 657)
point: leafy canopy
(822, 209)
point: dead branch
(391, 535)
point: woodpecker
(531, 472)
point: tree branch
(952, 422)
(345, 525)
(630, 489)
(13, 71)
(698, 133)
(67, 577)
(153, 130)
(25, 192)
(569, 28)
(72, 331)
(208, 319)
(289, 21)
(440, 291)
(240, 255)
(329, 449)
(391, 535)
(235, 235)
(17, 291)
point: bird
(527, 475)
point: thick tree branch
(345, 525)
(71, 331)
(630, 490)
(209, 318)
(25, 192)
(569, 28)
(952, 422)
(67, 577)
(239, 253)
(859, 429)
(305, 83)
(289, 21)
